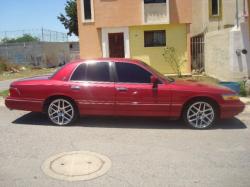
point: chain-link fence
(43, 35)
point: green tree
(24, 38)
(69, 20)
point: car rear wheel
(200, 114)
(61, 112)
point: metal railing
(43, 35)
(197, 53)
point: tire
(62, 112)
(200, 114)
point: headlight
(230, 97)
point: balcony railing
(156, 13)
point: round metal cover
(76, 166)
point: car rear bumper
(34, 105)
(231, 110)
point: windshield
(157, 72)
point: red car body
(115, 98)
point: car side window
(79, 73)
(132, 73)
(98, 72)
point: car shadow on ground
(125, 122)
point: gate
(197, 53)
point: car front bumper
(231, 109)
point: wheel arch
(203, 98)
(53, 97)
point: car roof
(128, 60)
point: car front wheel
(200, 114)
(61, 112)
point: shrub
(243, 90)
(3, 65)
(170, 56)
(6, 66)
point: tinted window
(98, 72)
(132, 73)
(79, 74)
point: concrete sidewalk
(245, 100)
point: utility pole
(42, 35)
(237, 13)
(248, 5)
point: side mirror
(154, 81)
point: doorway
(116, 45)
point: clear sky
(31, 14)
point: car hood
(202, 87)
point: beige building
(212, 15)
(248, 18)
(220, 38)
(138, 29)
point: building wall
(56, 53)
(240, 62)
(43, 54)
(176, 36)
(221, 59)
(117, 13)
(120, 13)
(180, 11)
(249, 18)
(217, 61)
(201, 22)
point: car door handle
(75, 87)
(121, 89)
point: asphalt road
(144, 152)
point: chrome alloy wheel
(200, 115)
(61, 112)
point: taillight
(14, 92)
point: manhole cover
(76, 166)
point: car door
(93, 88)
(134, 93)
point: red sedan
(121, 87)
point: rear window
(92, 71)
(79, 73)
